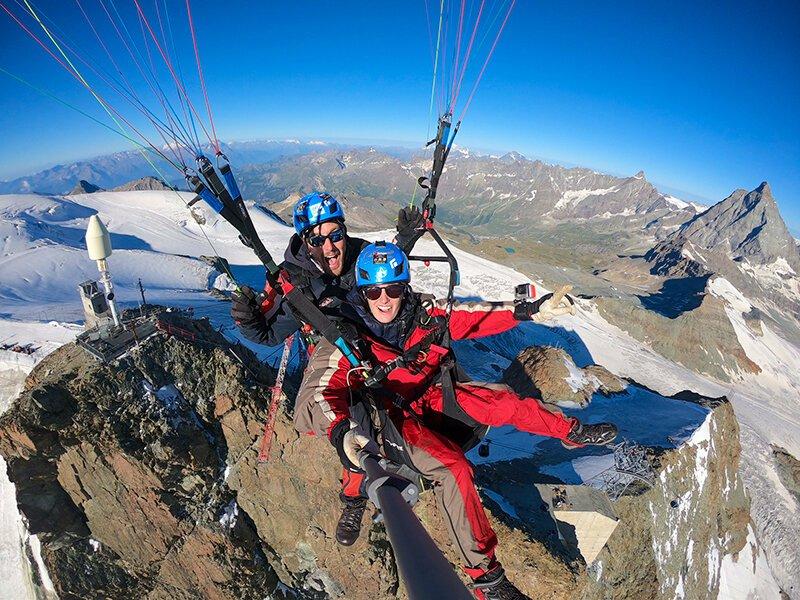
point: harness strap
(435, 337)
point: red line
(127, 95)
(466, 59)
(172, 71)
(202, 79)
(486, 62)
(139, 68)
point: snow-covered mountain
(483, 194)
(156, 238)
(112, 170)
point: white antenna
(98, 242)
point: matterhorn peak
(746, 225)
(764, 190)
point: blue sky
(703, 99)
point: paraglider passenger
(394, 320)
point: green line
(433, 87)
(102, 103)
(75, 108)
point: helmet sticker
(316, 210)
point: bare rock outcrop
(143, 184)
(141, 479)
(84, 187)
(676, 535)
(550, 374)
(120, 470)
(702, 339)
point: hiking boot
(494, 586)
(586, 434)
(349, 526)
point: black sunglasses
(394, 290)
(337, 235)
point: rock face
(550, 374)
(702, 339)
(676, 534)
(84, 187)
(120, 470)
(788, 471)
(143, 184)
(746, 226)
(141, 480)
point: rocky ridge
(745, 226)
(143, 184)
(84, 187)
(140, 479)
(550, 374)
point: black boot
(586, 434)
(494, 586)
(349, 526)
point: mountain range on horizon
(111, 170)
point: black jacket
(328, 292)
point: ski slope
(156, 239)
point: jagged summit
(746, 225)
(84, 187)
(143, 184)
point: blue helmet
(315, 208)
(381, 262)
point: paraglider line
(486, 62)
(202, 79)
(125, 90)
(466, 58)
(458, 48)
(172, 71)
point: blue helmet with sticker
(381, 262)
(315, 208)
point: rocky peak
(143, 184)
(84, 187)
(746, 225)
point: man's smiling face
(330, 255)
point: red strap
(270, 293)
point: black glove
(524, 311)
(410, 227)
(245, 308)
